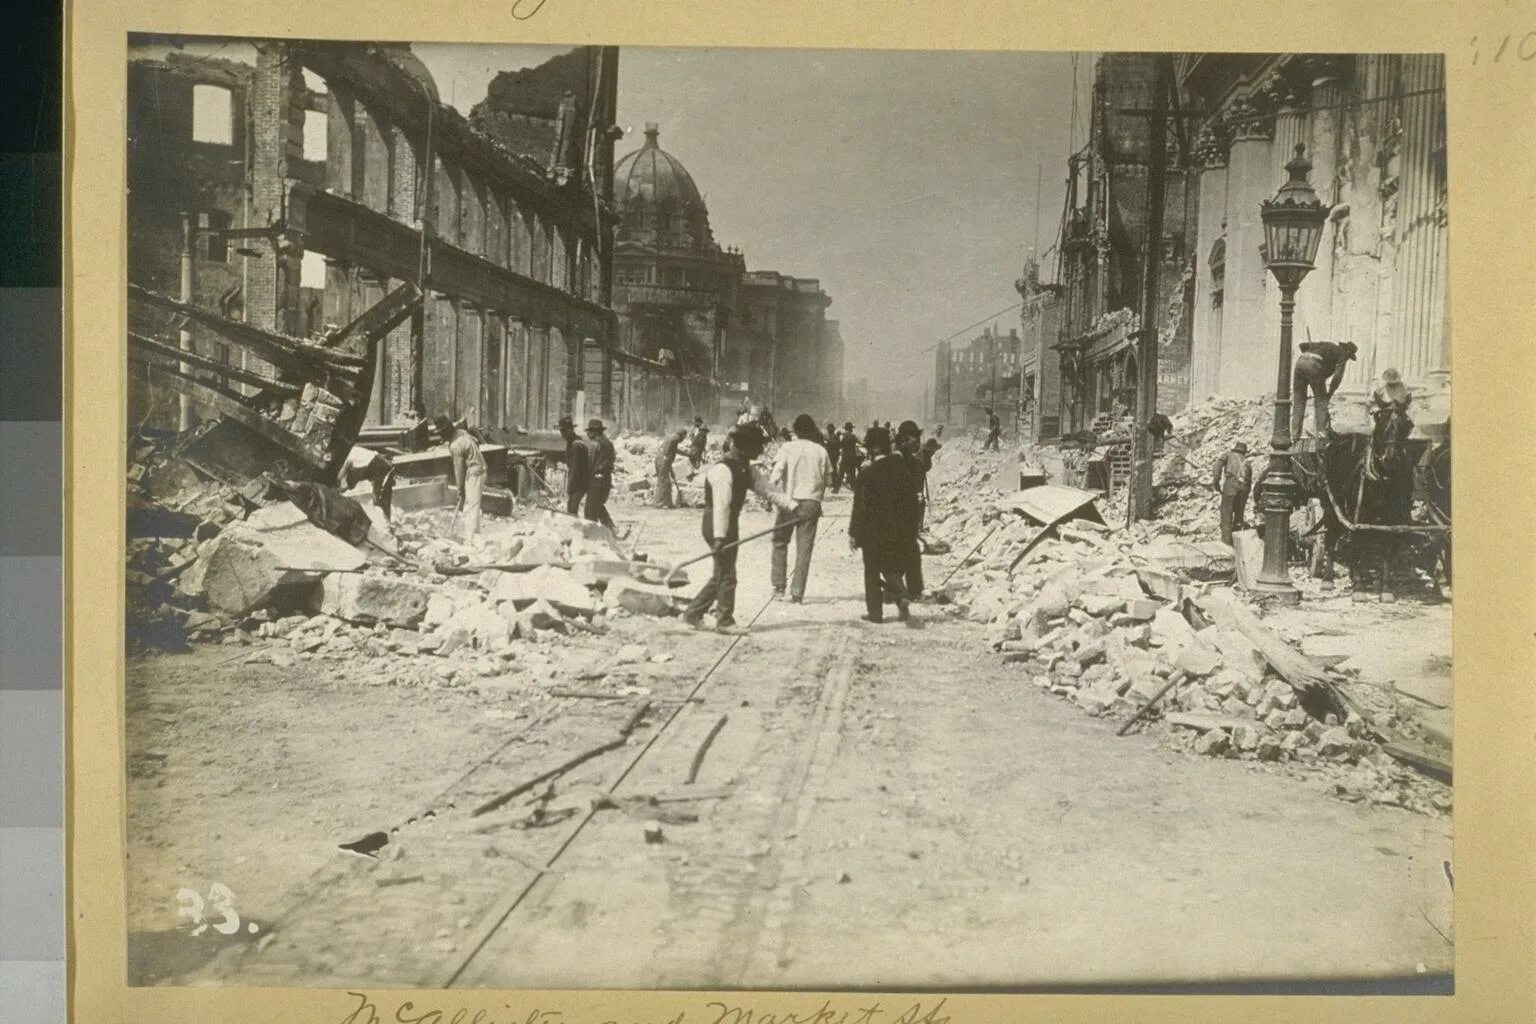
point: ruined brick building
(366, 179)
(979, 374)
(1103, 251)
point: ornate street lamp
(1293, 227)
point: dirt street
(883, 805)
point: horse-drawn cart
(1386, 503)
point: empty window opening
(316, 130)
(213, 115)
(215, 246)
(312, 270)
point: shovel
(735, 543)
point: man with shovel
(725, 493)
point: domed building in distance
(673, 284)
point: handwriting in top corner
(522, 10)
(1525, 48)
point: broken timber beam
(231, 404)
(139, 341)
(289, 354)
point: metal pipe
(184, 417)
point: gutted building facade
(1373, 127)
(364, 179)
(1104, 248)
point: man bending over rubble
(725, 493)
(468, 472)
(367, 464)
(665, 456)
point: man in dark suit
(883, 524)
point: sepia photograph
(623, 517)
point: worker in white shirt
(803, 471)
(468, 472)
(725, 492)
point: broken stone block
(1198, 660)
(1246, 737)
(542, 615)
(1213, 743)
(1142, 609)
(1237, 652)
(1091, 652)
(630, 654)
(1335, 742)
(1100, 605)
(1275, 720)
(640, 598)
(1270, 748)
(369, 599)
(1016, 657)
(1236, 708)
(541, 549)
(548, 583)
(1052, 602)
(1170, 631)
(1291, 742)
(237, 573)
(1296, 718)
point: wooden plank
(228, 404)
(376, 321)
(287, 353)
(223, 369)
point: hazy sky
(904, 181)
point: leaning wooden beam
(222, 369)
(229, 404)
(289, 354)
(376, 321)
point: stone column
(1210, 228)
(1418, 313)
(1250, 318)
(1316, 305)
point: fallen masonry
(1111, 618)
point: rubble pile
(417, 608)
(1107, 617)
(1181, 475)
(634, 472)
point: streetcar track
(307, 912)
(509, 905)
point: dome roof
(652, 175)
(658, 197)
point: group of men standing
(889, 496)
(589, 465)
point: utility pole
(949, 380)
(1139, 503)
(184, 418)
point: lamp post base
(1277, 591)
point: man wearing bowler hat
(599, 474)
